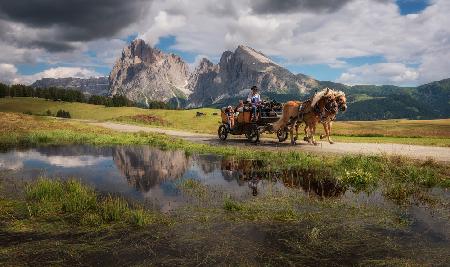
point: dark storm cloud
(52, 46)
(72, 20)
(293, 6)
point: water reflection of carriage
(245, 171)
(252, 128)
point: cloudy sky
(401, 42)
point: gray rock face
(238, 71)
(91, 86)
(144, 73)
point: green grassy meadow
(419, 132)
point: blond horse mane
(319, 95)
(338, 93)
(322, 93)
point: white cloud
(360, 28)
(15, 160)
(208, 27)
(8, 73)
(163, 23)
(381, 73)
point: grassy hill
(370, 102)
(177, 119)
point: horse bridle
(329, 106)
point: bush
(63, 114)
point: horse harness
(316, 110)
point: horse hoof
(315, 143)
(331, 142)
(322, 136)
(293, 142)
(306, 139)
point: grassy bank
(21, 130)
(423, 132)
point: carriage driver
(255, 99)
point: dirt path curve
(413, 151)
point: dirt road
(413, 151)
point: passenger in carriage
(239, 108)
(229, 111)
(255, 99)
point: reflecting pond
(150, 176)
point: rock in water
(144, 73)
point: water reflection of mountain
(245, 170)
(207, 163)
(145, 167)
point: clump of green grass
(359, 179)
(232, 205)
(267, 209)
(114, 209)
(140, 217)
(78, 198)
(78, 203)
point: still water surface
(150, 176)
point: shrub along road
(441, 154)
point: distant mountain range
(89, 86)
(143, 74)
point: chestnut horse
(341, 101)
(293, 111)
(311, 119)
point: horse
(311, 119)
(341, 101)
(296, 110)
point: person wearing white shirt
(254, 98)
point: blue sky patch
(29, 69)
(412, 6)
(166, 44)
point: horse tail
(285, 117)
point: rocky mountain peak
(145, 73)
(240, 70)
(250, 54)
(204, 64)
(139, 52)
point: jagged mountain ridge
(90, 86)
(237, 71)
(144, 73)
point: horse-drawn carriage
(252, 128)
(283, 119)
